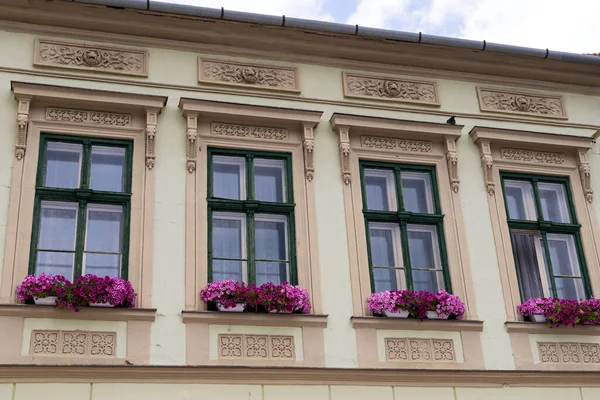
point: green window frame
(251, 211)
(544, 234)
(83, 196)
(402, 223)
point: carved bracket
(452, 159)
(344, 138)
(22, 124)
(487, 162)
(151, 120)
(585, 174)
(309, 146)
(192, 134)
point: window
(404, 227)
(82, 207)
(545, 237)
(251, 217)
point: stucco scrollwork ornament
(344, 146)
(151, 120)
(51, 53)
(585, 174)
(507, 101)
(22, 125)
(309, 147)
(388, 88)
(452, 160)
(487, 162)
(192, 134)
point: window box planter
(105, 304)
(421, 305)
(45, 301)
(538, 318)
(397, 314)
(239, 307)
(435, 315)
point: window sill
(411, 324)
(87, 313)
(254, 319)
(542, 328)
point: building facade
(176, 145)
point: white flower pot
(397, 314)
(239, 307)
(434, 315)
(537, 318)
(45, 301)
(103, 304)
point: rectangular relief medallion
(73, 343)
(257, 347)
(515, 102)
(390, 89)
(569, 353)
(89, 57)
(419, 350)
(255, 76)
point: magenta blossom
(416, 303)
(284, 298)
(226, 293)
(41, 286)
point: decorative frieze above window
(73, 343)
(515, 102)
(419, 350)
(538, 157)
(252, 347)
(258, 76)
(255, 132)
(70, 55)
(87, 117)
(390, 89)
(375, 142)
(569, 353)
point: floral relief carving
(282, 347)
(230, 346)
(73, 343)
(569, 353)
(103, 344)
(401, 145)
(539, 157)
(497, 100)
(251, 132)
(87, 117)
(256, 347)
(50, 53)
(239, 74)
(419, 350)
(396, 350)
(44, 342)
(391, 89)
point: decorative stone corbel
(23, 123)
(192, 133)
(151, 121)
(344, 138)
(452, 159)
(585, 174)
(309, 146)
(487, 162)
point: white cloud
(310, 9)
(377, 13)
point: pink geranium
(226, 293)
(416, 303)
(41, 286)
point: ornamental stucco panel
(516, 102)
(390, 89)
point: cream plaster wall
(318, 84)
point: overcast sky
(565, 25)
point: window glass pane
(229, 177)
(529, 258)
(55, 263)
(229, 235)
(228, 269)
(58, 221)
(269, 180)
(425, 258)
(102, 264)
(103, 229)
(386, 256)
(565, 266)
(108, 168)
(271, 244)
(554, 202)
(416, 189)
(569, 288)
(63, 165)
(519, 200)
(380, 189)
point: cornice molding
(254, 319)
(87, 57)
(543, 329)
(86, 313)
(216, 36)
(294, 375)
(388, 88)
(247, 75)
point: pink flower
(416, 303)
